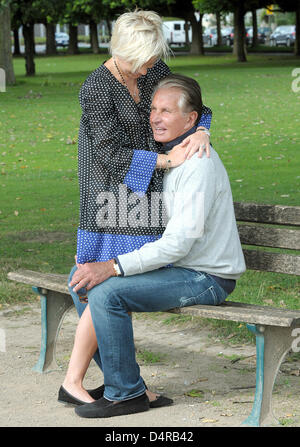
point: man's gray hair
(191, 98)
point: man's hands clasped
(90, 274)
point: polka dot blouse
(117, 154)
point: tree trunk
(219, 34)
(73, 40)
(17, 51)
(108, 27)
(94, 37)
(6, 61)
(186, 30)
(29, 48)
(201, 45)
(254, 28)
(239, 47)
(195, 36)
(297, 37)
(50, 39)
(197, 40)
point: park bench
(260, 227)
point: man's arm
(187, 208)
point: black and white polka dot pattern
(116, 147)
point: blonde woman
(120, 163)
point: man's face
(166, 119)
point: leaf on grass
(275, 287)
(195, 393)
(71, 141)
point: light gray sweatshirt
(201, 231)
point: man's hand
(92, 273)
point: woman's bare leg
(85, 346)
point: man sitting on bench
(196, 261)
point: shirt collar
(170, 144)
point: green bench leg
(54, 306)
(272, 344)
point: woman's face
(126, 68)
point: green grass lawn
(255, 130)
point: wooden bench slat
(233, 311)
(247, 313)
(269, 237)
(51, 281)
(272, 262)
(273, 214)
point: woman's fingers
(191, 151)
(197, 142)
(207, 150)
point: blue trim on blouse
(205, 120)
(97, 247)
(141, 170)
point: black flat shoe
(104, 408)
(96, 393)
(67, 398)
(160, 401)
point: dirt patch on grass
(42, 236)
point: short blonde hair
(138, 37)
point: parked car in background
(227, 36)
(61, 39)
(210, 37)
(206, 39)
(283, 35)
(249, 35)
(266, 31)
(261, 36)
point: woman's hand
(177, 155)
(197, 141)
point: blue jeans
(110, 302)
